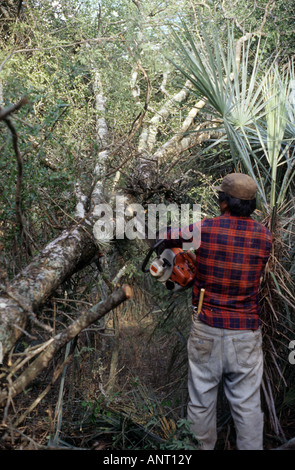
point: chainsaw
(173, 267)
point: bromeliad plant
(250, 100)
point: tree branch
(4, 116)
(4, 113)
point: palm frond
(254, 108)
(235, 95)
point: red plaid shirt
(230, 260)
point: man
(225, 339)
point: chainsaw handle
(149, 254)
(146, 259)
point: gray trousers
(235, 355)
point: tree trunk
(72, 250)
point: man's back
(230, 260)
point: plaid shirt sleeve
(230, 261)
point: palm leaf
(253, 108)
(235, 96)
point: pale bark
(60, 258)
(101, 138)
(186, 137)
(22, 297)
(149, 133)
(180, 143)
(135, 89)
(81, 201)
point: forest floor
(149, 393)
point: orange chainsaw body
(184, 269)
(173, 267)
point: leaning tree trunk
(19, 299)
(76, 247)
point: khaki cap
(239, 186)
